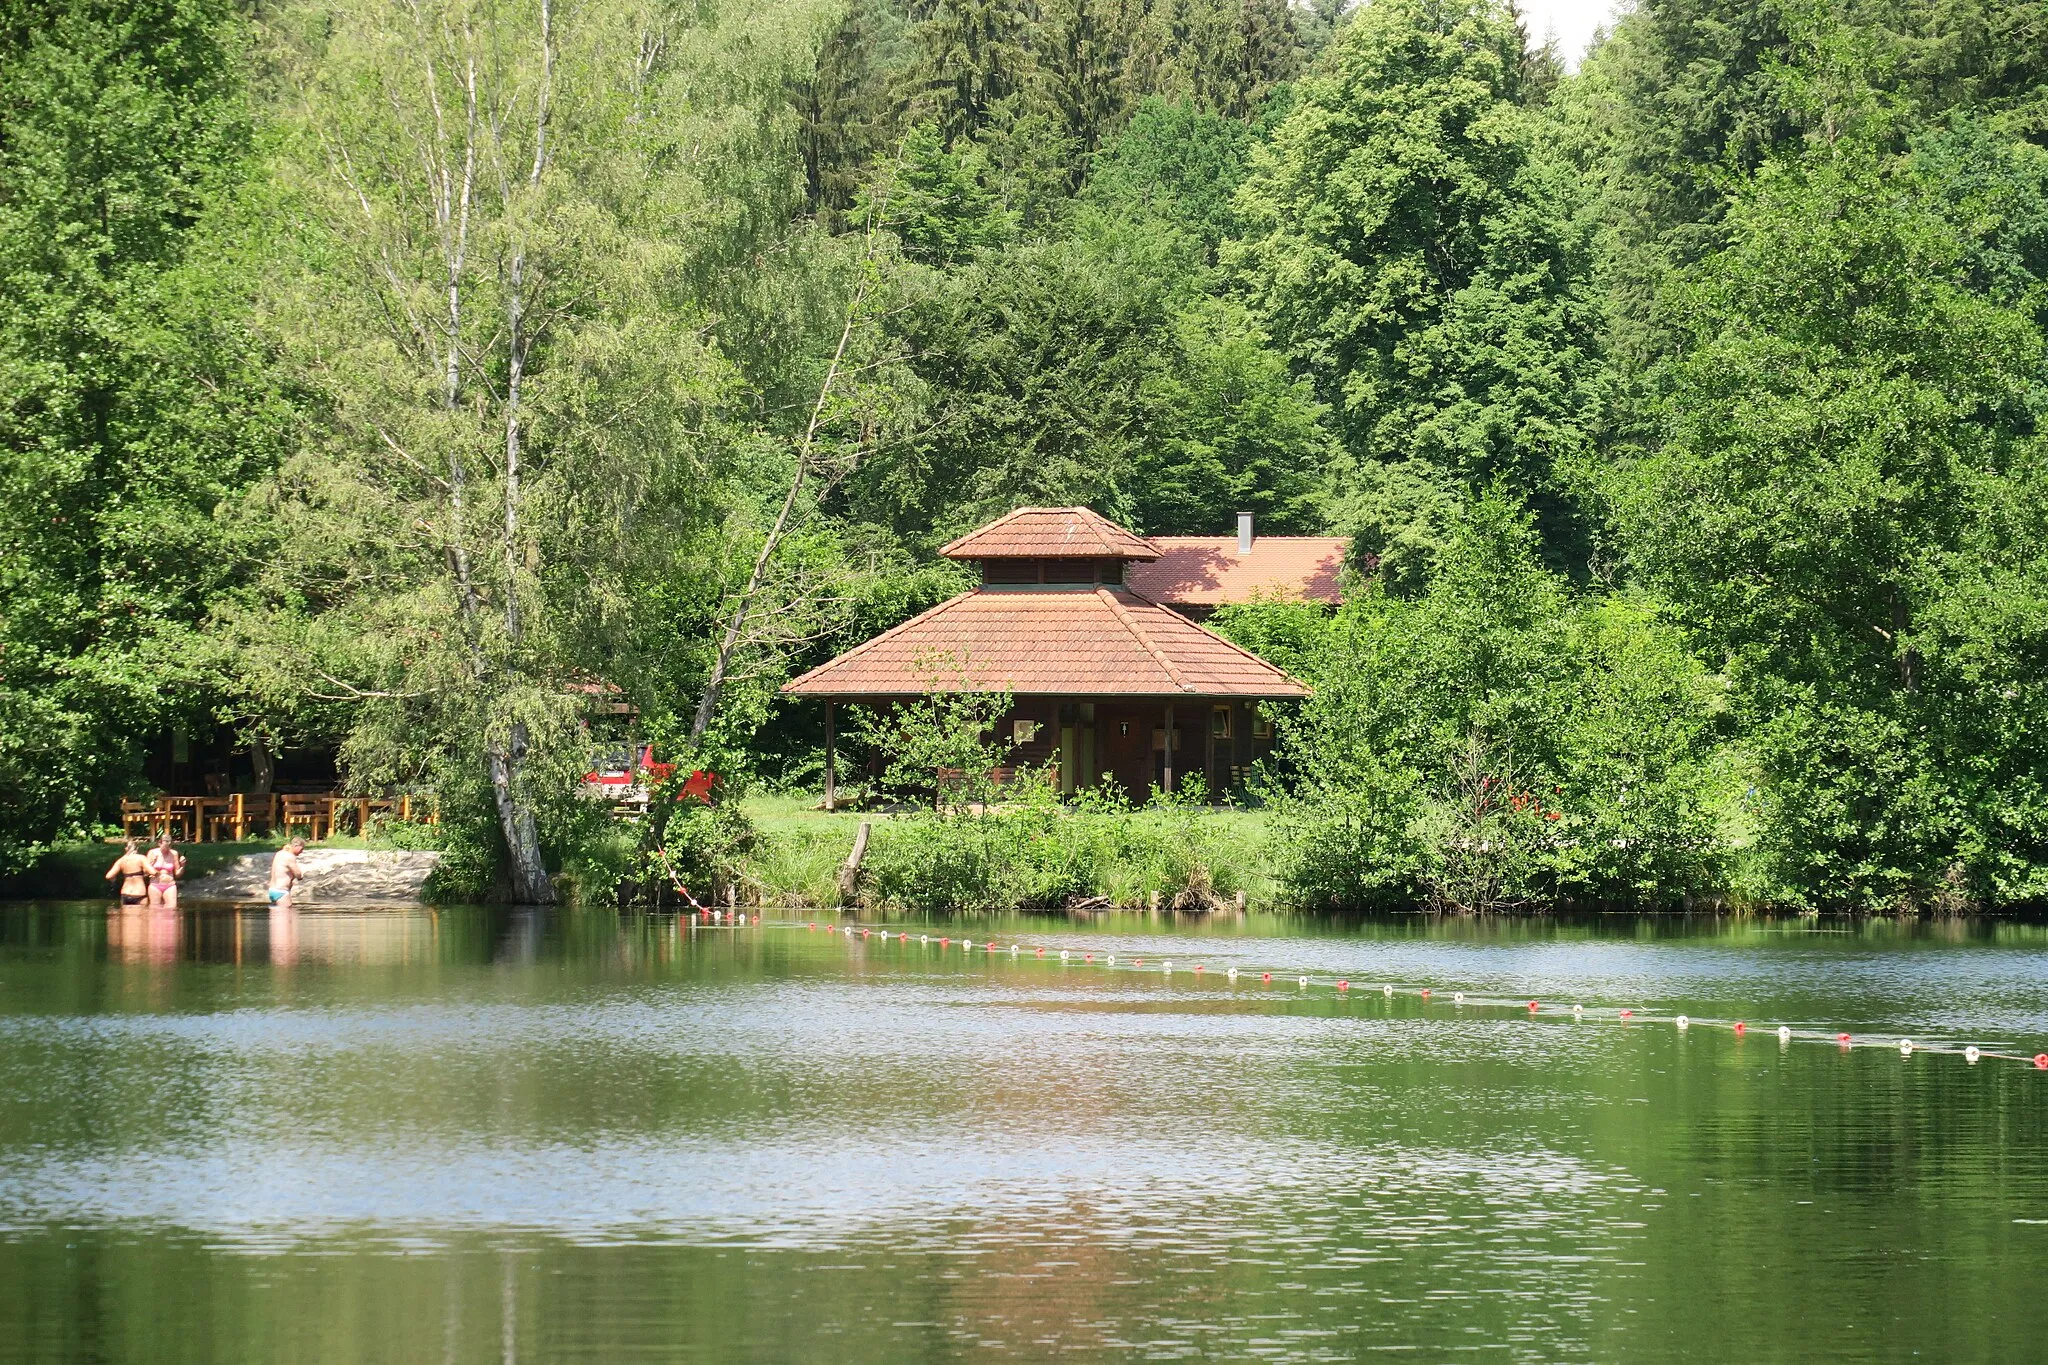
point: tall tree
(502, 313)
(1845, 496)
(133, 399)
(1409, 249)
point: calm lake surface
(475, 1135)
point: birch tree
(495, 301)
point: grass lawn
(801, 848)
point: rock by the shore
(333, 876)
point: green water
(479, 1135)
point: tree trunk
(735, 631)
(262, 766)
(530, 883)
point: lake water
(476, 1135)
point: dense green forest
(400, 375)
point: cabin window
(1023, 731)
(1069, 571)
(1112, 571)
(1262, 726)
(1219, 722)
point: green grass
(801, 848)
(796, 862)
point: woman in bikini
(166, 865)
(131, 873)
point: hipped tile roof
(1051, 533)
(1048, 641)
(1207, 571)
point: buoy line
(1343, 986)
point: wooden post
(849, 871)
(1209, 750)
(241, 818)
(1167, 785)
(831, 764)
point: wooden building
(1106, 682)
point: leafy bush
(1496, 743)
(706, 847)
(1031, 850)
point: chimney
(1244, 533)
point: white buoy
(1684, 1023)
(1784, 1034)
(1232, 974)
(1013, 950)
(1457, 997)
(1578, 1011)
(1304, 981)
(1386, 990)
(1109, 960)
(1064, 954)
(1970, 1054)
(924, 938)
(1167, 967)
(1905, 1047)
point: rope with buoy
(1532, 1009)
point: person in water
(166, 865)
(130, 873)
(286, 874)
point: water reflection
(139, 934)
(573, 1136)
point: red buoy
(1268, 976)
(1841, 1037)
(1198, 969)
(1741, 1027)
(1087, 957)
(1627, 1013)
(945, 943)
(1425, 992)
(2041, 1061)
(903, 938)
(1343, 985)
(1532, 1007)
(1041, 952)
(812, 925)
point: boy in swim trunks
(285, 873)
(166, 865)
(131, 870)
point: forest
(399, 375)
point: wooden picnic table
(209, 819)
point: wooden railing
(209, 819)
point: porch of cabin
(1136, 743)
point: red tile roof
(1051, 533)
(1208, 571)
(1048, 641)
